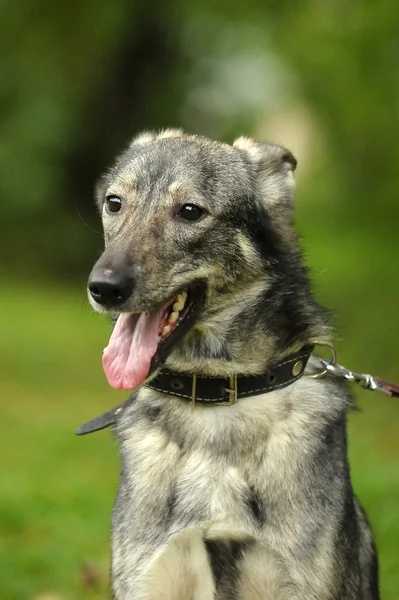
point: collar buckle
(233, 391)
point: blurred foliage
(77, 81)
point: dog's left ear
(274, 166)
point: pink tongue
(133, 343)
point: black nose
(110, 288)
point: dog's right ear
(273, 166)
(143, 138)
(150, 136)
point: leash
(225, 391)
(367, 381)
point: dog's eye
(113, 204)
(191, 212)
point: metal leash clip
(364, 379)
(367, 381)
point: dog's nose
(110, 288)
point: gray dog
(235, 482)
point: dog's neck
(246, 331)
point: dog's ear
(274, 166)
(151, 136)
(143, 138)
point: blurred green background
(77, 81)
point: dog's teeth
(159, 338)
(165, 330)
(173, 317)
(180, 301)
(179, 304)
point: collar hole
(176, 384)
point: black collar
(221, 391)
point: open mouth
(141, 342)
(172, 316)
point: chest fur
(192, 477)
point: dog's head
(189, 224)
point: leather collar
(221, 391)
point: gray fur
(252, 501)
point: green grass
(57, 490)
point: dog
(235, 482)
